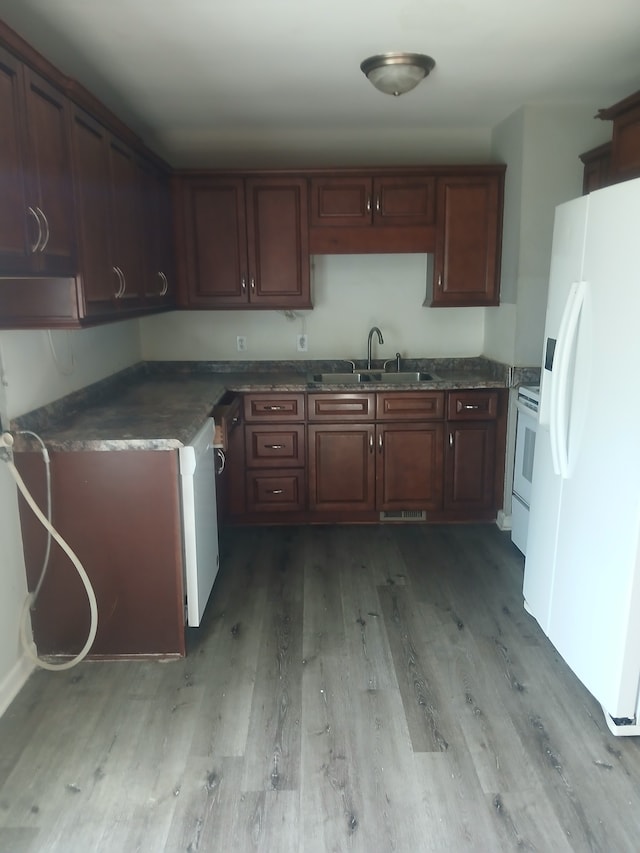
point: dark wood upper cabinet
(14, 236)
(36, 217)
(159, 276)
(625, 142)
(597, 168)
(618, 160)
(372, 201)
(99, 281)
(245, 242)
(469, 239)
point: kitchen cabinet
(597, 168)
(362, 200)
(354, 213)
(392, 465)
(158, 275)
(108, 193)
(625, 142)
(275, 452)
(36, 217)
(468, 240)
(120, 512)
(244, 241)
(475, 430)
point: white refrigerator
(582, 569)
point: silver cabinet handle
(121, 282)
(450, 439)
(274, 446)
(275, 408)
(440, 281)
(165, 284)
(46, 229)
(371, 443)
(368, 204)
(243, 284)
(471, 406)
(276, 491)
(253, 285)
(377, 204)
(223, 460)
(35, 246)
(380, 443)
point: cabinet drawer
(477, 405)
(273, 491)
(341, 407)
(410, 406)
(227, 417)
(277, 446)
(274, 407)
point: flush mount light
(397, 73)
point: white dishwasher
(199, 521)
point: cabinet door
(404, 200)
(409, 467)
(341, 201)
(17, 235)
(49, 185)
(90, 146)
(470, 466)
(127, 226)
(467, 257)
(216, 244)
(278, 243)
(341, 467)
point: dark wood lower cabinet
(120, 512)
(363, 454)
(470, 466)
(409, 466)
(342, 466)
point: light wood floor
(352, 689)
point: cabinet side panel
(120, 513)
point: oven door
(526, 426)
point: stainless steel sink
(338, 378)
(403, 376)
(358, 377)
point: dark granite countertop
(162, 405)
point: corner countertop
(162, 405)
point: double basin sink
(363, 376)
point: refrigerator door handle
(559, 413)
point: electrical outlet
(303, 343)
(241, 342)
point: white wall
(351, 293)
(30, 378)
(541, 146)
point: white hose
(30, 599)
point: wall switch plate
(303, 343)
(241, 343)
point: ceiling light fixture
(397, 73)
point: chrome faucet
(380, 341)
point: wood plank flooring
(352, 689)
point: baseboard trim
(14, 681)
(503, 520)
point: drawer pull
(276, 491)
(275, 408)
(471, 406)
(274, 446)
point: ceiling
(277, 82)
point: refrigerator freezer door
(594, 619)
(546, 489)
